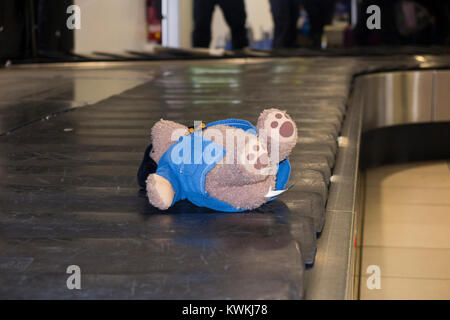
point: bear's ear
(164, 134)
(279, 131)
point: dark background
(35, 29)
(50, 36)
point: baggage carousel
(72, 136)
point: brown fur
(236, 183)
(285, 147)
(229, 171)
(248, 196)
(163, 137)
(155, 192)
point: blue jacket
(187, 162)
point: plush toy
(228, 165)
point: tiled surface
(407, 225)
(409, 262)
(409, 289)
(406, 228)
(417, 196)
(441, 108)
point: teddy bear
(228, 165)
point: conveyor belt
(68, 184)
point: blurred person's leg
(319, 12)
(446, 24)
(277, 8)
(235, 16)
(285, 18)
(314, 16)
(294, 14)
(203, 11)
(439, 10)
(389, 32)
(360, 31)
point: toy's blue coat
(186, 163)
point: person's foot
(247, 51)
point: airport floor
(407, 218)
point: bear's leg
(159, 191)
(246, 159)
(279, 130)
(248, 196)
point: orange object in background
(153, 21)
